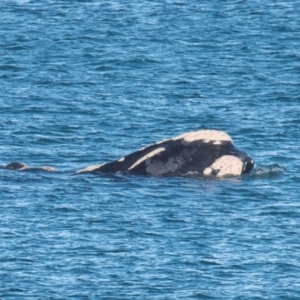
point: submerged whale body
(203, 152)
(18, 166)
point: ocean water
(86, 82)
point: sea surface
(86, 82)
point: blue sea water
(86, 82)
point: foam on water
(265, 171)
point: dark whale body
(18, 166)
(203, 152)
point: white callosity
(145, 157)
(204, 135)
(226, 165)
(90, 168)
(48, 168)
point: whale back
(205, 152)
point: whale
(205, 152)
(19, 166)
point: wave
(266, 171)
